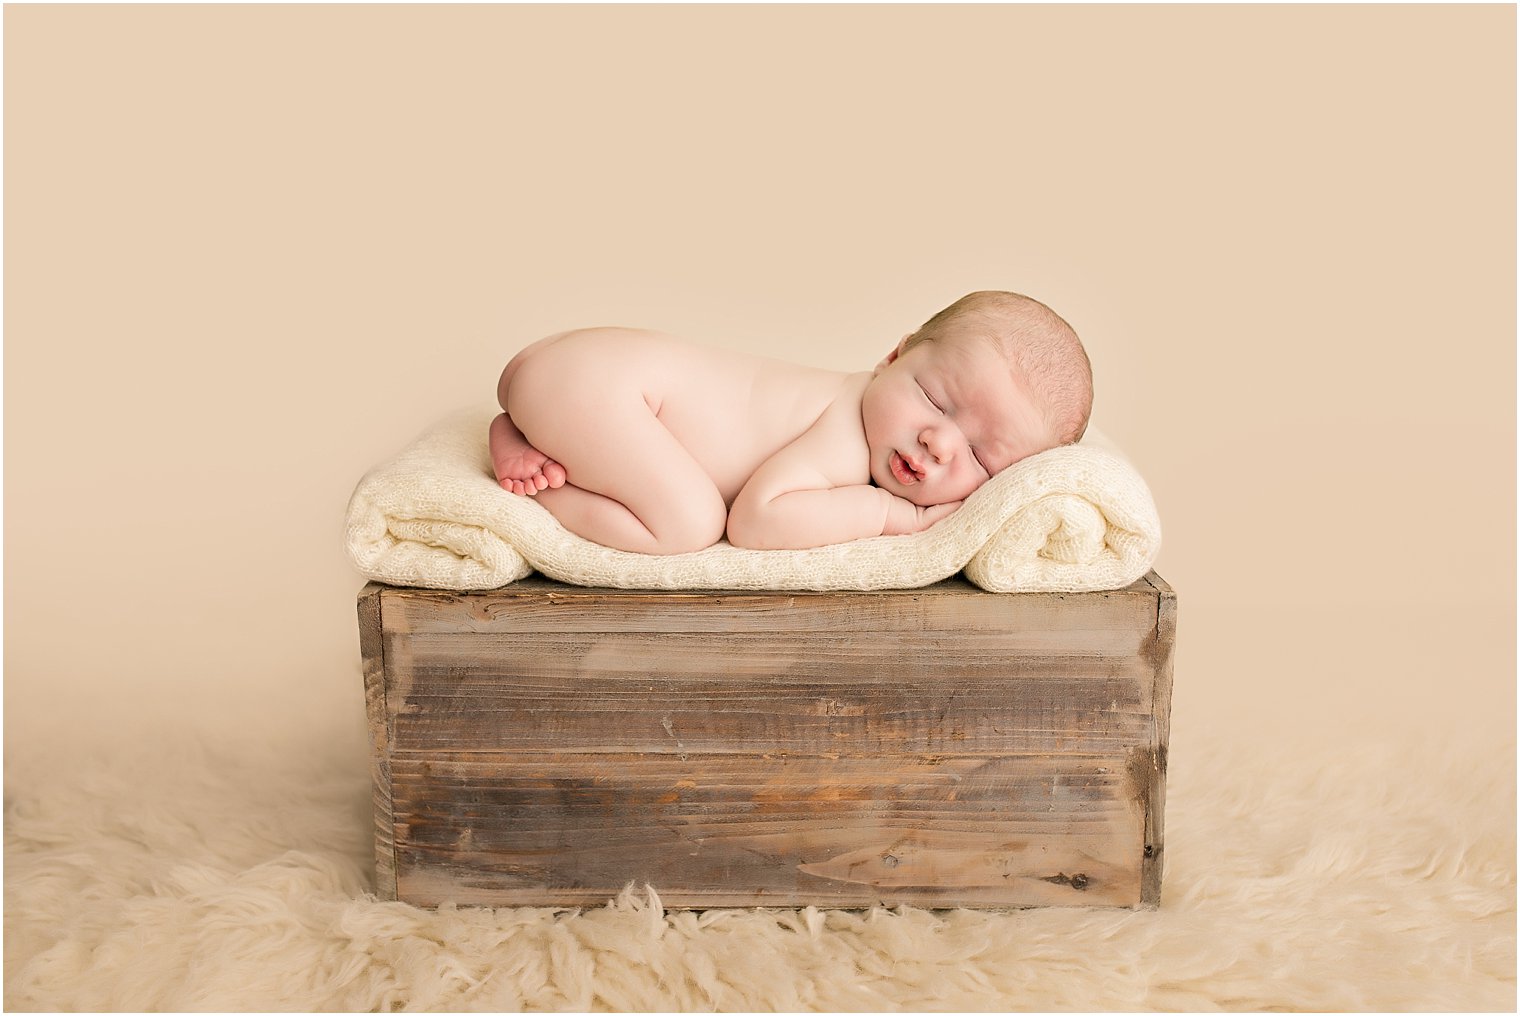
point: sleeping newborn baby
(639, 441)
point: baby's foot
(521, 468)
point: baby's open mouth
(905, 473)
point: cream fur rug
(208, 872)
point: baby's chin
(923, 499)
(926, 498)
(919, 495)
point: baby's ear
(893, 355)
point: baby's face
(944, 417)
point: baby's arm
(804, 497)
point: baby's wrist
(902, 515)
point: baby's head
(992, 379)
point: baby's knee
(691, 527)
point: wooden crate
(544, 744)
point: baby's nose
(936, 442)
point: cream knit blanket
(1071, 519)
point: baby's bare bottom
(627, 482)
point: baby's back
(731, 411)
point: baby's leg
(611, 523)
(629, 483)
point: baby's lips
(902, 471)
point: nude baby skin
(644, 442)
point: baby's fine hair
(1046, 356)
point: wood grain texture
(536, 604)
(546, 744)
(1164, 643)
(666, 692)
(941, 831)
(371, 642)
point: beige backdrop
(251, 251)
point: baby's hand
(906, 517)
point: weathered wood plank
(754, 830)
(894, 649)
(371, 648)
(536, 604)
(1164, 644)
(673, 694)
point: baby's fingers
(940, 511)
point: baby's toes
(553, 474)
(540, 481)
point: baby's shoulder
(840, 422)
(850, 396)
